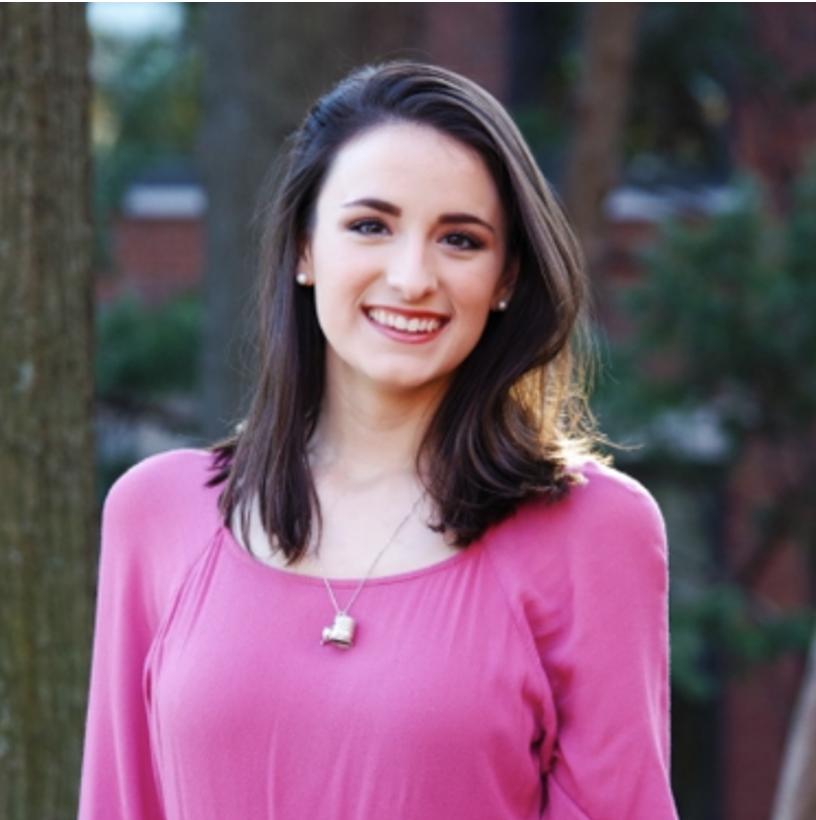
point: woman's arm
(117, 772)
(157, 519)
(608, 663)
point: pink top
(525, 677)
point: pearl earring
(502, 305)
(302, 278)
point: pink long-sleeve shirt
(525, 677)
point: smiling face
(407, 256)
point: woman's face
(407, 257)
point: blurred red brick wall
(154, 259)
(775, 119)
(473, 39)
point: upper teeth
(400, 322)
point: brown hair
(515, 411)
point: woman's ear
(506, 286)
(305, 270)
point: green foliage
(147, 107)
(145, 353)
(687, 58)
(546, 66)
(690, 58)
(722, 631)
(725, 317)
(724, 326)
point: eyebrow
(465, 219)
(376, 204)
(391, 209)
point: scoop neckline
(250, 560)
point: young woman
(405, 589)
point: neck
(370, 437)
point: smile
(404, 324)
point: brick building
(158, 237)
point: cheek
(336, 298)
(474, 311)
(477, 291)
(326, 316)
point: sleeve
(608, 662)
(117, 771)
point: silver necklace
(341, 632)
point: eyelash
(464, 241)
(364, 227)
(374, 227)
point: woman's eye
(368, 227)
(463, 241)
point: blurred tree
(719, 384)
(720, 348)
(653, 86)
(602, 96)
(265, 64)
(709, 319)
(46, 484)
(796, 794)
(775, 118)
(693, 59)
(147, 352)
(146, 108)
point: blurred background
(680, 136)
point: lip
(424, 325)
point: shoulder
(608, 527)
(171, 470)
(170, 486)
(611, 505)
(157, 519)
(603, 503)
(584, 568)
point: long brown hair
(515, 412)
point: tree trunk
(796, 793)
(266, 64)
(46, 480)
(608, 50)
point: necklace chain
(341, 615)
(364, 579)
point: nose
(411, 271)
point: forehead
(412, 161)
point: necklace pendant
(341, 632)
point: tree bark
(608, 50)
(796, 793)
(47, 478)
(266, 64)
